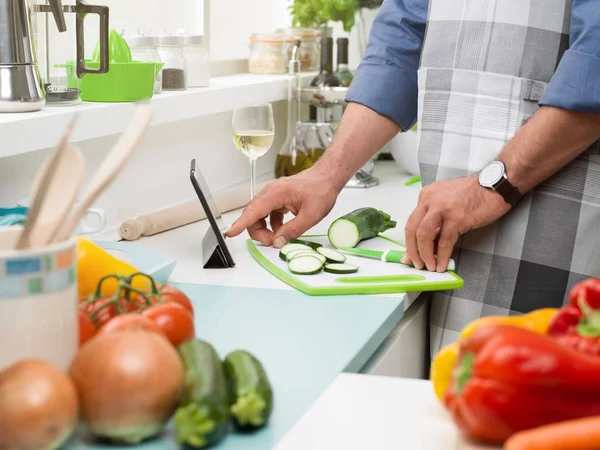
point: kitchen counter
(303, 341)
(358, 412)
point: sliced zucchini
(290, 247)
(361, 224)
(294, 254)
(305, 265)
(340, 269)
(332, 256)
(291, 254)
(313, 245)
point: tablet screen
(208, 197)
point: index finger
(257, 210)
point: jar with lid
(309, 53)
(197, 60)
(170, 50)
(268, 54)
(144, 48)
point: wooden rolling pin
(184, 214)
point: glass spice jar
(197, 61)
(268, 54)
(309, 53)
(174, 70)
(144, 48)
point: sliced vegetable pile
(139, 365)
(532, 380)
(310, 258)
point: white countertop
(359, 412)
(184, 244)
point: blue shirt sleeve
(576, 83)
(386, 79)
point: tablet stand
(212, 254)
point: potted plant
(318, 13)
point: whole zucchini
(251, 392)
(203, 414)
(361, 224)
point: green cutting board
(373, 276)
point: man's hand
(447, 209)
(309, 196)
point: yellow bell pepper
(444, 362)
(93, 263)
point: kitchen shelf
(26, 132)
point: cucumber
(290, 247)
(340, 269)
(291, 255)
(361, 224)
(252, 395)
(331, 256)
(313, 245)
(305, 265)
(202, 417)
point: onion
(38, 406)
(129, 383)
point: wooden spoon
(47, 204)
(111, 166)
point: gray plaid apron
(484, 66)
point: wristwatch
(493, 176)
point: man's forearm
(361, 134)
(549, 141)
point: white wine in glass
(253, 134)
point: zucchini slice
(295, 253)
(340, 269)
(290, 247)
(313, 245)
(332, 256)
(305, 265)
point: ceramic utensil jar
(38, 301)
(174, 70)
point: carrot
(578, 434)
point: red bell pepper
(510, 379)
(578, 325)
(587, 291)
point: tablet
(215, 253)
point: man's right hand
(309, 196)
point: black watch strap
(510, 193)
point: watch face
(491, 174)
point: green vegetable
(305, 265)
(361, 224)
(332, 256)
(252, 395)
(291, 247)
(317, 13)
(340, 268)
(291, 255)
(203, 414)
(310, 244)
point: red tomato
(87, 329)
(172, 294)
(131, 322)
(106, 313)
(176, 322)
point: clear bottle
(197, 60)
(268, 54)
(174, 70)
(144, 48)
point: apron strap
(532, 90)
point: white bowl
(404, 148)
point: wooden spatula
(112, 165)
(41, 215)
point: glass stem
(252, 177)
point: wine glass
(253, 133)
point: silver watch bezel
(491, 180)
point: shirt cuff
(387, 90)
(576, 83)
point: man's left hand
(447, 209)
